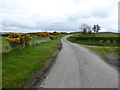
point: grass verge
(20, 64)
(108, 54)
(4, 41)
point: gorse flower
(43, 34)
(17, 39)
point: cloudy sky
(57, 15)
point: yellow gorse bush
(13, 39)
(55, 33)
(18, 39)
(43, 34)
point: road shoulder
(110, 58)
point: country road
(76, 67)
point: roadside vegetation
(38, 37)
(4, 41)
(20, 64)
(104, 44)
(96, 39)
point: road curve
(76, 67)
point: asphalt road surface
(76, 67)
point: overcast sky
(57, 15)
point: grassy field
(95, 39)
(103, 35)
(102, 45)
(111, 48)
(106, 35)
(20, 64)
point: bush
(17, 39)
(43, 34)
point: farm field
(107, 35)
(96, 39)
(21, 64)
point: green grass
(4, 41)
(20, 64)
(76, 39)
(0, 45)
(37, 39)
(108, 49)
(40, 38)
(107, 35)
(97, 43)
(102, 45)
(103, 35)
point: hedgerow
(97, 40)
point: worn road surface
(76, 67)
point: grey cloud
(100, 12)
(94, 12)
(14, 24)
(36, 22)
(78, 16)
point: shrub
(43, 34)
(17, 39)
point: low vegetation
(96, 39)
(20, 64)
(106, 45)
(12, 40)
(18, 39)
(3, 40)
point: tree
(85, 28)
(96, 28)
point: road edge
(40, 75)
